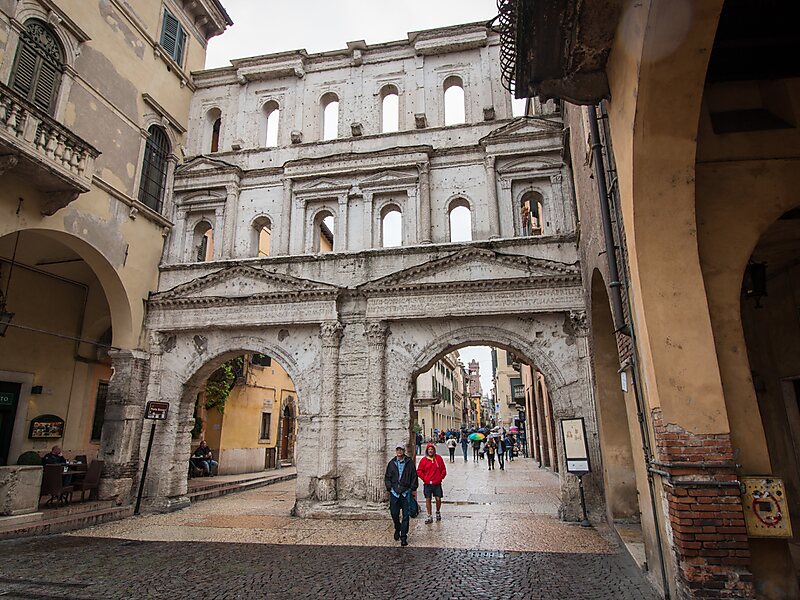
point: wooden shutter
(46, 86)
(24, 69)
(180, 45)
(170, 32)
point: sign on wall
(576, 451)
(766, 511)
(45, 427)
(156, 410)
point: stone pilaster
(424, 203)
(122, 426)
(376, 333)
(491, 197)
(285, 218)
(331, 335)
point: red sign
(156, 410)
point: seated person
(54, 457)
(202, 457)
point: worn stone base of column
(164, 504)
(118, 490)
(350, 509)
(326, 489)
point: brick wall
(710, 545)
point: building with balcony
(438, 401)
(94, 108)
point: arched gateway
(353, 352)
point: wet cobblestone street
(499, 538)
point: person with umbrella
(400, 481)
(476, 445)
(432, 471)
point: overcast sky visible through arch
(267, 26)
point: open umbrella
(513, 429)
(476, 437)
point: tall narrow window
(38, 65)
(154, 168)
(266, 425)
(99, 410)
(215, 128)
(325, 224)
(272, 116)
(460, 221)
(330, 116)
(203, 242)
(531, 214)
(454, 107)
(391, 227)
(262, 237)
(390, 109)
(173, 37)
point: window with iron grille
(99, 410)
(154, 168)
(266, 424)
(173, 37)
(38, 65)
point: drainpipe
(620, 326)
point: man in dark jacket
(400, 481)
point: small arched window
(262, 237)
(330, 116)
(325, 224)
(460, 221)
(391, 226)
(154, 168)
(203, 242)
(38, 65)
(390, 109)
(213, 129)
(454, 107)
(271, 116)
(531, 215)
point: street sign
(156, 410)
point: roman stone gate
(281, 245)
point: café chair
(53, 484)
(91, 480)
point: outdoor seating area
(60, 482)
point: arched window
(203, 242)
(213, 129)
(154, 168)
(324, 227)
(330, 116)
(272, 116)
(391, 226)
(454, 107)
(262, 237)
(390, 109)
(460, 221)
(38, 65)
(531, 216)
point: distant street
(499, 538)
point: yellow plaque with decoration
(766, 512)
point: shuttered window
(38, 65)
(154, 168)
(173, 37)
(99, 410)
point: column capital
(489, 161)
(331, 333)
(424, 167)
(376, 333)
(577, 322)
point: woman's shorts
(432, 490)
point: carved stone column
(285, 218)
(424, 203)
(368, 217)
(340, 240)
(228, 240)
(218, 235)
(330, 332)
(122, 424)
(491, 197)
(376, 333)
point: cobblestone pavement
(499, 538)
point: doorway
(9, 398)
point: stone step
(68, 522)
(229, 487)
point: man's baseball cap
(400, 447)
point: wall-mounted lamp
(754, 284)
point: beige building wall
(504, 399)
(435, 400)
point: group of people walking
(401, 481)
(494, 447)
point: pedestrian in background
(501, 451)
(464, 445)
(491, 447)
(510, 446)
(476, 447)
(432, 471)
(451, 447)
(400, 481)
(419, 443)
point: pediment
(203, 164)
(473, 266)
(320, 185)
(387, 178)
(523, 126)
(242, 282)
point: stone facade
(355, 327)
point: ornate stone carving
(420, 121)
(8, 162)
(331, 333)
(488, 113)
(376, 332)
(200, 343)
(57, 200)
(296, 137)
(356, 129)
(577, 322)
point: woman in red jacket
(432, 471)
